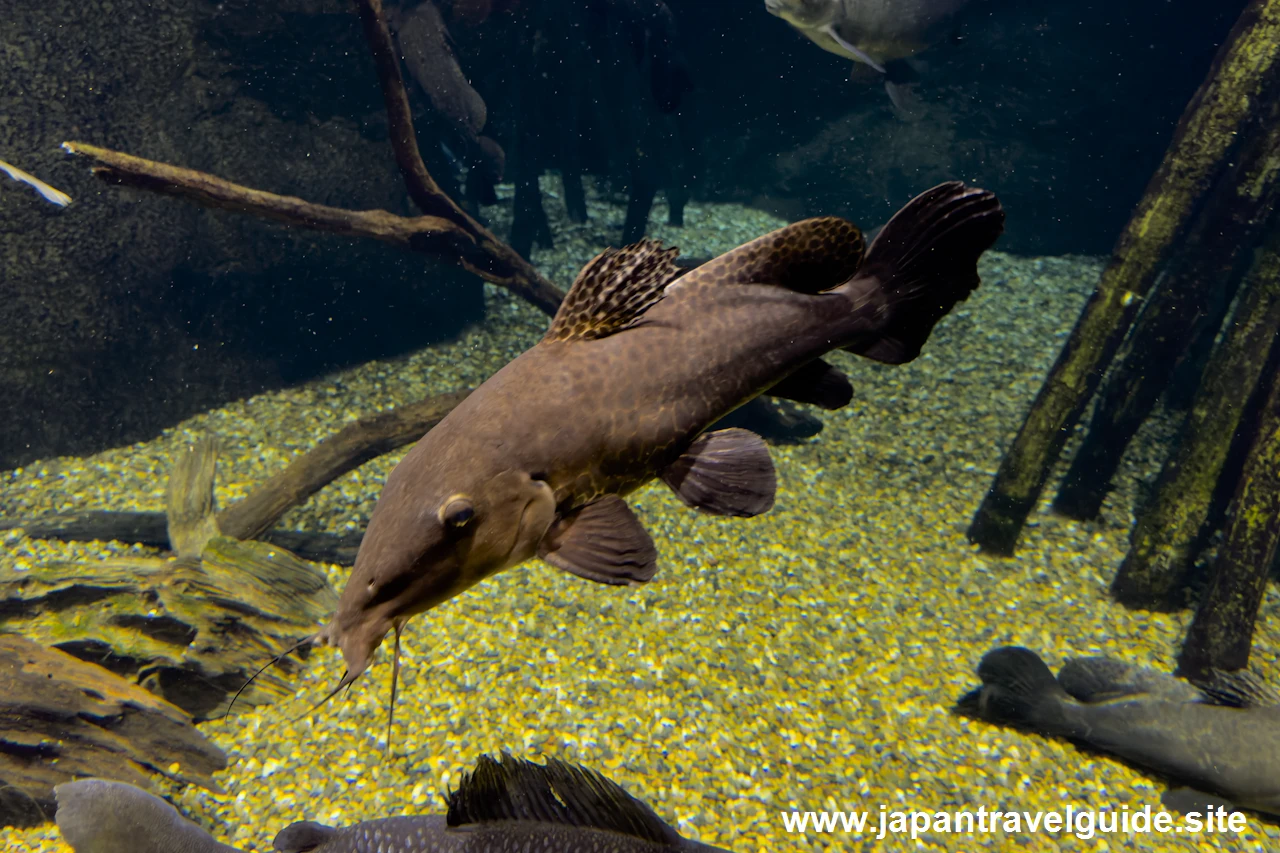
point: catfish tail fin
(925, 261)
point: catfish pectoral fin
(602, 542)
(817, 383)
(726, 472)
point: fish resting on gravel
(1219, 736)
(506, 805)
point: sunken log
(352, 446)
(189, 630)
(1243, 80)
(444, 230)
(1188, 305)
(62, 719)
(1169, 532)
(1221, 634)
(151, 529)
(253, 517)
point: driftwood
(1169, 532)
(1221, 635)
(1243, 79)
(151, 529)
(62, 718)
(445, 230)
(190, 628)
(1188, 306)
(351, 447)
(253, 517)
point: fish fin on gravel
(1017, 688)
(809, 256)
(101, 816)
(302, 836)
(602, 542)
(1102, 679)
(511, 789)
(817, 383)
(614, 290)
(726, 472)
(1242, 689)
(925, 260)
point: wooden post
(1190, 302)
(1166, 536)
(1222, 632)
(1242, 78)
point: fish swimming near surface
(48, 193)
(1220, 737)
(873, 32)
(504, 806)
(538, 459)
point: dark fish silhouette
(505, 806)
(873, 32)
(878, 33)
(537, 460)
(1222, 738)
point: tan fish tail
(923, 262)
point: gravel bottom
(807, 659)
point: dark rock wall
(126, 312)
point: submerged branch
(348, 449)
(493, 260)
(207, 190)
(445, 230)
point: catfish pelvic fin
(817, 383)
(726, 472)
(614, 290)
(602, 542)
(809, 256)
(511, 789)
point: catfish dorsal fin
(614, 290)
(511, 789)
(809, 256)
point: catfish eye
(457, 511)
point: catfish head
(435, 531)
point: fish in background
(505, 805)
(879, 33)
(48, 193)
(1221, 737)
